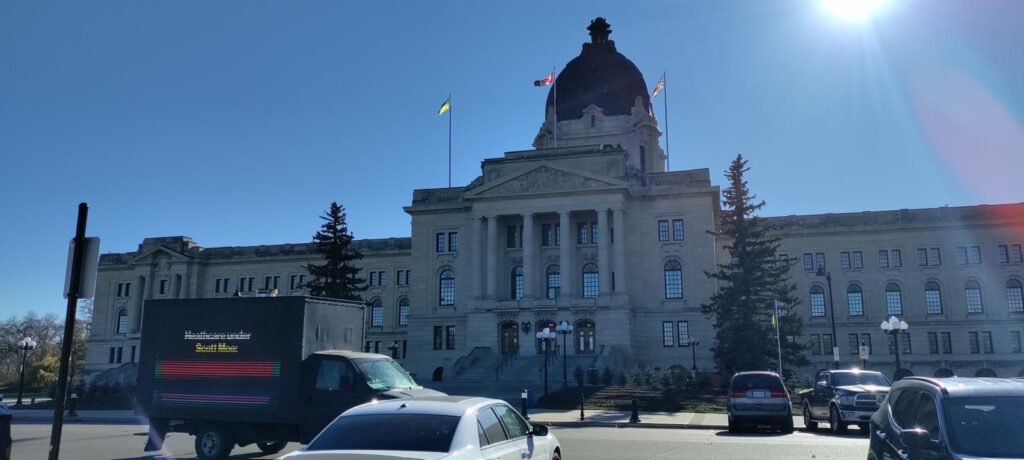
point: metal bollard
(525, 396)
(635, 417)
(582, 398)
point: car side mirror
(820, 385)
(917, 439)
(539, 430)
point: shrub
(606, 376)
(678, 377)
(636, 378)
(648, 376)
(593, 377)
(666, 380)
(620, 378)
(577, 374)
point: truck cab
(844, 397)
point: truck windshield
(383, 374)
(986, 427)
(842, 379)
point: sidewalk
(84, 416)
(612, 418)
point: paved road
(122, 442)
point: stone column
(476, 239)
(620, 250)
(528, 256)
(492, 257)
(603, 266)
(566, 262)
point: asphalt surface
(104, 442)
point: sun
(852, 9)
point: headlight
(847, 400)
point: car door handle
(880, 433)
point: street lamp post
(693, 349)
(832, 313)
(895, 326)
(26, 345)
(548, 337)
(564, 329)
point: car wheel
(810, 424)
(556, 456)
(213, 443)
(787, 425)
(271, 447)
(733, 426)
(836, 423)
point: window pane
(450, 337)
(453, 242)
(856, 302)
(883, 259)
(377, 315)
(403, 313)
(975, 346)
(961, 255)
(817, 303)
(328, 375)
(934, 257)
(844, 260)
(858, 260)
(933, 343)
(819, 260)
(122, 322)
(590, 281)
(932, 299)
(438, 337)
(492, 428)
(439, 240)
(808, 262)
(677, 229)
(947, 343)
(662, 230)
(973, 295)
(515, 426)
(922, 257)
(447, 288)
(975, 255)
(667, 334)
(894, 300)
(673, 280)
(684, 333)
(896, 259)
(554, 282)
(1015, 296)
(815, 344)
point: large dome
(599, 76)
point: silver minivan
(758, 399)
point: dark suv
(954, 418)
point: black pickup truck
(844, 397)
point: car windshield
(986, 427)
(842, 379)
(384, 373)
(405, 432)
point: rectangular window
(819, 260)
(783, 258)
(403, 315)
(826, 344)
(905, 344)
(818, 304)
(163, 287)
(933, 343)
(933, 301)
(883, 258)
(593, 233)
(590, 281)
(408, 277)
(973, 296)
(131, 356)
(449, 338)
(668, 334)
(438, 337)
(961, 255)
(895, 260)
(545, 235)
(373, 279)
(677, 229)
(865, 339)
(1015, 341)
(377, 316)
(399, 278)
(808, 262)
(453, 241)
(1004, 254)
(947, 342)
(892, 343)
(581, 233)
(266, 282)
(110, 359)
(382, 278)
(684, 333)
(986, 342)
(120, 355)
(854, 344)
(858, 260)
(975, 346)
(439, 243)
(554, 284)
(844, 260)
(510, 236)
(1015, 254)
(662, 230)
(922, 257)
(218, 289)
(934, 257)
(894, 302)
(120, 289)
(815, 344)
(974, 256)
(856, 303)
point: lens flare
(852, 9)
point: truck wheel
(213, 443)
(808, 422)
(271, 447)
(836, 422)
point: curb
(681, 426)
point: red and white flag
(658, 88)
(547, 81)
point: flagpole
(555, 108)
(778, 337)
(449, 140)
(668, 159)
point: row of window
(398, 349)
(932, 299)
(117, 355)
(247, 283)
(938, 342)
(444, 337)
(377, 312)
(676, 233)
(675, 333)
(892, 258)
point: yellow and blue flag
(446, 106)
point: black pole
(526, 399)
(896, 342)
(21, 387)
(565, 366)
(547, 356)
(69, 332)
(832, 309)
(693, 349)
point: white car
(438, 427)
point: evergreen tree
(750, 285)
(336, 278)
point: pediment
(159, 255)
(547, 179)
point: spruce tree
(750, 285)
(336, 278)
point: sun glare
(852, 9)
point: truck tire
(213, 443)
(835, 421)
(787, 425)
(809, 423)
(271, 447)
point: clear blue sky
(237, 122)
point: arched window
(403, 311)
(122, 321)
(893, 299)
(932, 298)
(516, 286)
(1014, 296)
(855, 300)
(446, 289)
(817, 301)
(376, 313)
(972, 291)
(673, 280)
(590, 281)
(554, 281)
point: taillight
(778, 394)
(739, 394)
